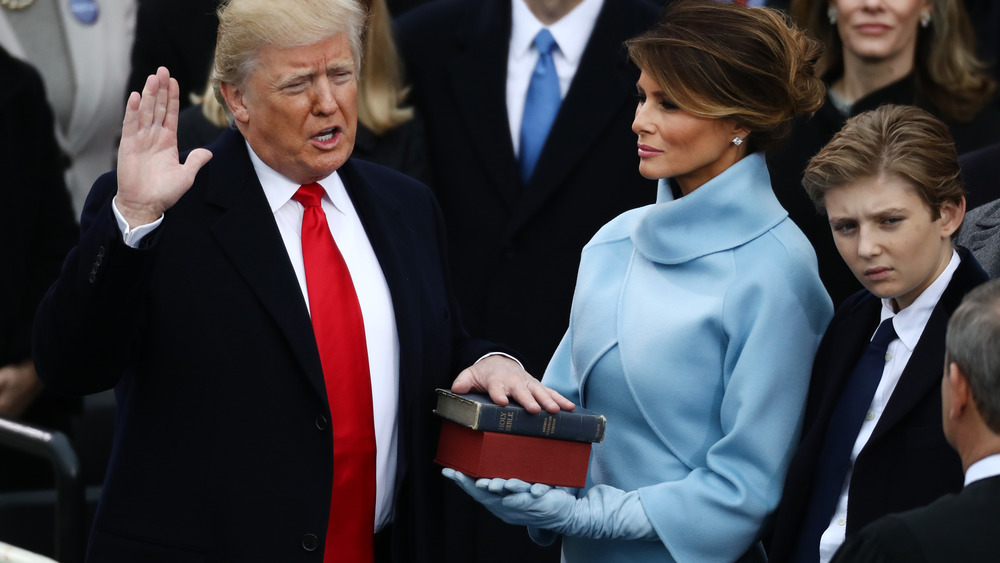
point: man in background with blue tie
(528, 106)
(273, 315)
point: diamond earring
(925, 19)
(831, 14)
(737, 141)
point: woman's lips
(872, 28)
(646, 150)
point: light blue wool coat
(693, 329)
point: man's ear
(234, 99)
(961, 392)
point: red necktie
(340, 336)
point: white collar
(279, 189)
(909, 323)
(571, 32)
(983, 469)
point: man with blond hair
(273, 315)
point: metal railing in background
(69, 508)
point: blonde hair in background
(948, 72)
(902, 141)
(718, 60)
(245, 26)
(381, 89)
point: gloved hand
(606, 512)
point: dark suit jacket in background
(177, 34)
(981, 174)
(955, 528)
(515, 248)
(223, 449)
(907, 462)
(981, 235)
(37, 229)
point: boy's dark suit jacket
(907, 462)
(960, 527)
(222, 449)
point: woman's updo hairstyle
(717, 60)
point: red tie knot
(309, 195)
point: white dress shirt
(985, 468)
(909, 324)
(373, 296)
(571, 34)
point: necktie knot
(884, 335)
(544, 42)
(310, 195)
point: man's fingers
(173, 105)
(464, 382)
(162, 96)
(147, 101)
(523, 395)
(195, 160)
(130, 123)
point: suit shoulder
(431, 18)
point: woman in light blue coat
(695, 319)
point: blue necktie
(841, 434)
(540, 105)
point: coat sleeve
(772, 325)
(91, 319)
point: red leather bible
(478, 453)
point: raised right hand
(150, 177)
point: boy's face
(887, 235)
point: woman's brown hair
(718, 60)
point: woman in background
(913, 52)
(695, 319)
(81, 49)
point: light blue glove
(606, 512)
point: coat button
(310, 542)
(320, 422)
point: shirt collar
(279, 189)
(983, 469)
(909, 323)
(571, 32)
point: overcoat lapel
(479, 81)
(248, 235)
(390, 235)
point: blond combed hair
(948, 72)
(245, 26)
(718, 60)
(905, 142)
